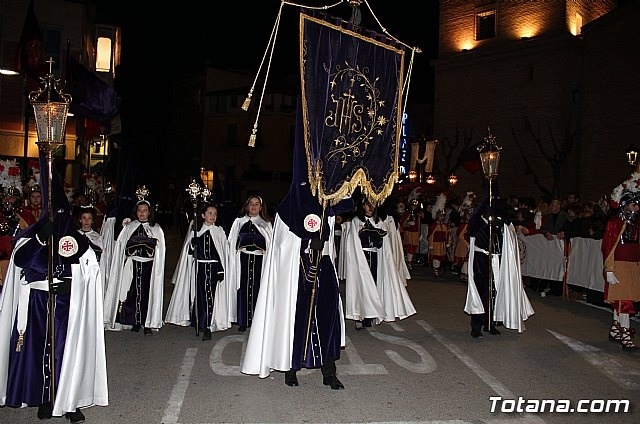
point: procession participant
(621, 256)
(249, 238)
(439, 236)
(374, 287)
(500, 299)
(62, 371)
(86, 222)
(410, 226)
(134, 297)
(209, 249)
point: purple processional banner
(352, 106)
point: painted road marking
(477, 369)
(174, 405)
(625, 377)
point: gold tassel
(252, 139)
(20, 342)
(247, 102)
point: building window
(485, 24)
(103, 55)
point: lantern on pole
(50, 108)
(490, 157)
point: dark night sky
(162, 40)
(159, 42)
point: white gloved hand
(126, 222)
(611, 278)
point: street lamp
(632, 156)
(413, 175)
(453, 180)
(490, 158)
(431, 180)
(50, 107)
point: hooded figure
(298, 320)
(494, 249)
(76, 290)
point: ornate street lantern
(490, 158)
(632, 155)
(413, 175)
(431, 179)
(453, 180)
(50, 107)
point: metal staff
(490, 158)
(314, 283)
(194, 191)
(51, 121)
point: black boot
(44, 411)
(329, 377)
(206, 335)
(148, 331)
(136, 328)
(75, 417)
(290, 378)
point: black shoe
(136, 328)
(290, 378)
(359, 326)
(242, 328)
(494, 331)
(44, 411)
(148, 331)
(75, 417)
(206, 335)
(332, 380)
(477, 334)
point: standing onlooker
(209, 249)
(134, 296)
(621, 256)
(552, 224)
(249, 238)
(31, 212)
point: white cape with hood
(121, 272)
(233, 260)
(387, 298)
(179, 310)
(512, 306)
(270, 343)
(83, 374)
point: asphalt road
(424, 369)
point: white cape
(512, 305)
(83, 374)
(121, 267)
(179, 310)
(385, 299)
(232, 268)
(270, 341)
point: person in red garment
(621, 257)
